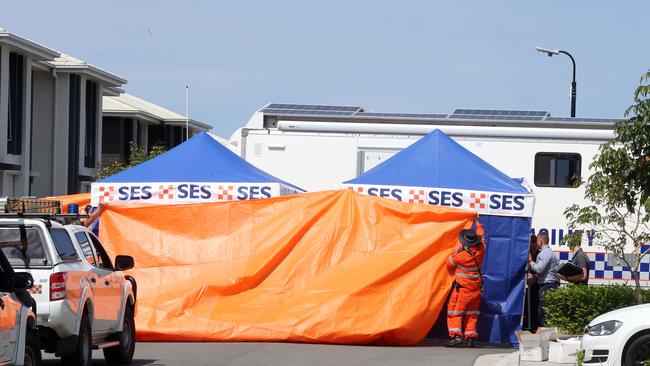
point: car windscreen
(23, 246)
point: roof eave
(111, 91)
(154, 119)
(33, 49)
(193, 123)
(131, 114)
(110, 80)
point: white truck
(318, 147)
(83, 301)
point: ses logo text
(192, 192)
(437, 197)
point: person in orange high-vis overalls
(465, 300)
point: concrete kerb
(509, 359)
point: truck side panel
(323, 160)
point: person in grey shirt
(545, 267)
(580, 259)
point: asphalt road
(290, 354)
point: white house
(127, 118)
(50, 119)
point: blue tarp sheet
(437, 161)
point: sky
(386, 56)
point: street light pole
(550, 53)
(573, 84)
(187, 112)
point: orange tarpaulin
(81, 199)
(330, 267)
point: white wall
(60, 145)
(323, 161)
(43, 133)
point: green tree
(617, 193)
(137, 155)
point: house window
(557, 169)
(155, 136)
(16, 87)
(90, 152)
(178, 135)
(73, 133)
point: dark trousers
(531, 307)
(543, 287)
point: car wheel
(638, 352)
(84, 351)
(32, 350)
(123, 354)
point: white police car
(618, 338)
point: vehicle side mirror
(22, 281)
(123, 262)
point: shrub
(571, 308)
(137, 155)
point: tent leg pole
(528, 307)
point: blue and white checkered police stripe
(600, 270)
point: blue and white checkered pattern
(601, 272)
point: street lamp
(550, 53)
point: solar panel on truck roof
(499, 114)
(310, 109)
(299, 112)
(401, 115)
(574, 119)
(458, 114)
(497, 118)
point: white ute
(83, 301)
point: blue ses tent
(437, 170)
(199, 170)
